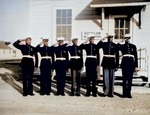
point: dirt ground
(12, 102)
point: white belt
(46, 57)
(60, 58)
(90, 56)
(28, 56)
(109, 55)
(128, 55)
(75, 57)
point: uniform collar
(109, 42)
(91, 43)
(127, 43)
(28, 45)
(74, 45)
(60, 45)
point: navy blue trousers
(108, 78)
(27, 74)
(45, 77)
(128, 67)
(91, 74)
(127, 80)
(61, 68)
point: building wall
(6, 54)
(84, 19)
(42, 19)
(141, 36)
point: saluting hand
(41, 43)
(55, 44)
(136, 69)
(22, 39)
(69, 42)
(86, 41)
(104, 38)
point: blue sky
(14, 19)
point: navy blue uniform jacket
(109, 48)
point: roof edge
(119, 4)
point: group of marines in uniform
(56, 58)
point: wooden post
(148, 61)
(140, 20)
(103, 18)
(140, 58)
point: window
(10, 51)
(14, 53)
(64, 23)
(122, 27)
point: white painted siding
(142, 36)
(6, 54)
(42, 22)
(84, 19)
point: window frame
(54, 20)
(112, 25)
(124, 28)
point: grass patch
(13, 65)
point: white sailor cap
(46, 39)
(60, 38)
(127, 35)
(91, 35)
(74, 37)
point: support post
(103, 18)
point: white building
(5, 51)
(16, 52)
(9, 52)
(55, 18)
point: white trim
(120, 4)
(54, 19)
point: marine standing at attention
(46, 53)
(27, 64)
(129, 64)
(92, 61)
(76, 64)
(110, 63)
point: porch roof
(118, 3)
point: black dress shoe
(87, 95)
(124, 96)
(32, 94)
(78, 94)
(62, 94)
(103, 95)
(94, 95)
(24, 94)
(42, 93)
(47, 93)
(72, 95)
(56, 94)
(111, 96)
(129, 96)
